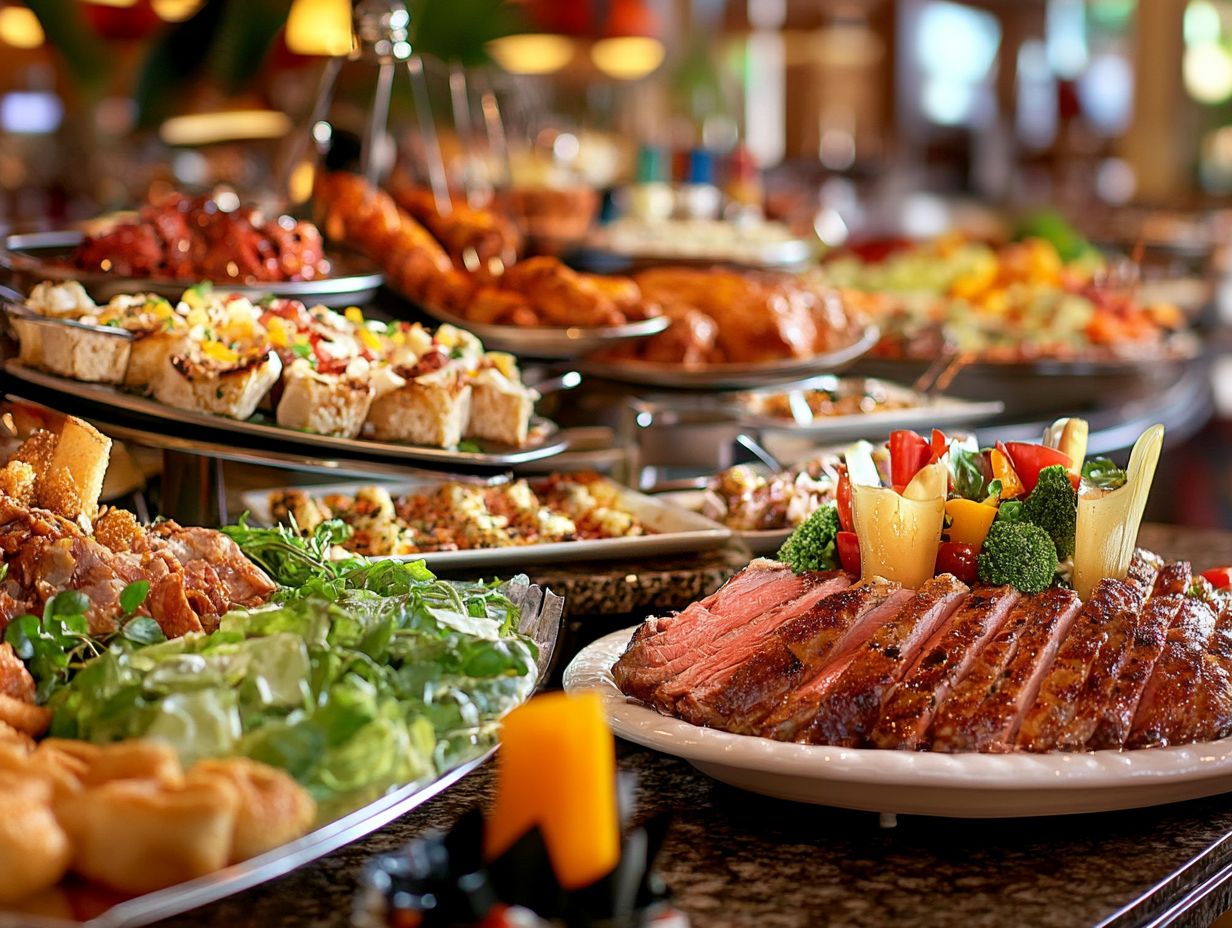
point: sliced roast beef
(1144, 568)
(1058, 692)
(1173, 578)
(655, 657)
(1188, 696)
(827, 649)
(907, 716)
(852, 705)
(1114, 709)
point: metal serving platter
(728, 376)
(551, 342)
(72, 394)
(34, 257)
(786, 253)
(542, 617)
(674, 530)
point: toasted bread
(151, 354)
(73, 481)
(429, 410)
(224, 391)
(500, 408)
(323, 403)
(91, 355)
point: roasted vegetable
(1020, 554)
(812, 545)
(1053, 506)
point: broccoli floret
(1018, 553)
(1053, 506)
(812, 545)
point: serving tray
(542, 615)
(34, 257)
(675, 531)
(50, 389)
(920, 783)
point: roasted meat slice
(700, 630)
(1188, 696)
(231, 579)
(852, 705)
(738, 644)
(825, 641)
(983, 712)
(907, 716)
(1173, 578)
(1144, 568)
(1112, 602)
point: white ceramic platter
(673, 531)
(951, 785)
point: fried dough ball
(137, 836)
(17, 480)
(273, 808)
(62, 764)
(25, 717)
(34, 849)
(133, 760)
(118, 529)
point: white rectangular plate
(675, 531)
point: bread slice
(501, 408)
(187, 383)
(326, 404)
(80, 352)
(430, 410)
(73, 481)
(151, 353)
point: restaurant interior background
(858, 121)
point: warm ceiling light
(319, 27)
(532, 53)
(117, 3)
(174, 11)
(20, 28)
(627, 58)
(228, 126)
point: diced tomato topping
(842, 498)
(848, 552)
(958, 559)
(1218, 577)
(1029, 459)
(908, 453)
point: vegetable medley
(1021, 513)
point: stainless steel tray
(73, 393)
(675, 531)
(542, 616)
(552, 342)
(32, 257)
(728, 376)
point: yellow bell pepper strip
(1003, 470)
(969, 521)
(898, 536)
(1108, 520)
(1069, 436)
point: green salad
(360, 675)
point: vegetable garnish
(1218, 577)
(1104, 474)
(812, 545)
(1020, 554)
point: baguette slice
(152, 353)
(432, 409)
(73, 481)
(501, 408)
(74, 351)
(234, 392)
(326, 404)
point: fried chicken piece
(24, 716)
(17, 480)
(156, 761)
(118, 530)
(561, 295)
(273, 809)
(10, 737)
(137, 836)
(63, 763)
(34, 849)
(15, 680)
(490, 305)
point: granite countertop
(733, 858)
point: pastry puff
(34, 849)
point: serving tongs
(940, 374)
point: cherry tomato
(1218, 577)
(848, 552)
(958, 559)
(908, 453)
(1029, 460)
(842, 498)
(938, 446)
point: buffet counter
(733, 858)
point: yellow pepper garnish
(969, 520)
(278, 335)
(354, 315)
(371, 340)
(1003, 470)
(219, 352)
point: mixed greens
(360, 675)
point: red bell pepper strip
(842, 498)
(908, 453)
(1218, 577)
(848, 552)
(938, 446)
(1029, 459)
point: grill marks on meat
(907, 716)
(813, 660)
(991, 723)
(853, 704)
(1059, 690)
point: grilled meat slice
(674, 645)
(1188, 696)
(851, 707)
(213, 564)
(907, 716)
(1173, 578)
(825, 644)
(1094, 700)
(1058, 693)
(1144, 568)
(983, 712)
(747, 677)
